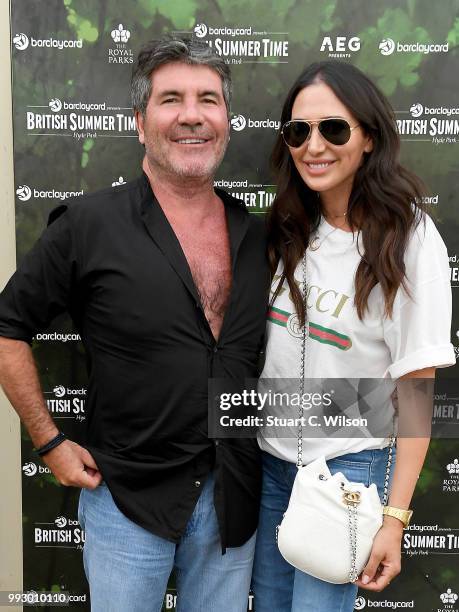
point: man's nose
(190, 113)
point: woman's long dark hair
(383, 205)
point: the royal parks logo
(435, 124)
(62, 532)
(449, 600)
(340, 46)
(450, 483)
(120, 34)
(240, 45)
(31, 469)
(453, 467)
(25, 193)
(388, 46)
(119, 181)
(80, 119)
(22, 42)
(119, 51)
(240, 122)
(258, 197)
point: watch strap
(402, 515)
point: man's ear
(139, 123)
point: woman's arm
(385, 558)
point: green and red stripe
(278, 316)
(325, 335)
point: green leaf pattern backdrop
(72, 61)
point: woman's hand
(385, 558)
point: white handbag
(330, 523)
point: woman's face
(324, 167)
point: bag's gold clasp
(351, 498)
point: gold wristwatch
(402, 515)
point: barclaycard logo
(238, 122)
(387, 46)
(59, 391)
(360, 603)
(200, 29)
(55, 105)
(24, 193)
(60, 522)
(21, 41)
(29, 469)
(416, 110)
(120, 34)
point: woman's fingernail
(365, 579)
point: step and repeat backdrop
(74, 133)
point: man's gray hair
(168, 50)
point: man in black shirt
(166, 280)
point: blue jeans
(128, 568)
(276, 584)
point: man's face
(185, 129)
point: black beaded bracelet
(51, 444)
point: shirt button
(216, 442)
(197, 483)
(215, 349)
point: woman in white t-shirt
(378, 306)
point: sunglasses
(335, 131)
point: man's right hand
(73, 466)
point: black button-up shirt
(112, 260)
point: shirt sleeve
(419, 332)
(40, 288)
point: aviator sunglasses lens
(295, 133)
(336, 131)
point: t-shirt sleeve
(419, 332)
(40, 288)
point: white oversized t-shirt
(340, 345)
